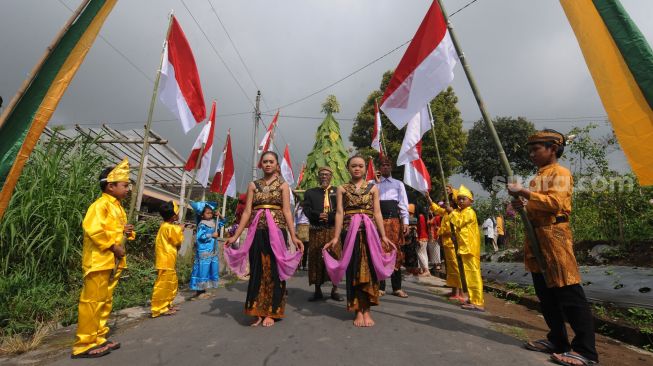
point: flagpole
(454, 239)
(192, 180)
(257, 116)
(224, 211)
(381, 134)
(505, 164)
(135, 197)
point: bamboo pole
(192, 181)
(459, 260)
(136, 196)
(505, 164)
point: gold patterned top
(269, 194)
(357, 199)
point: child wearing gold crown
(103, 258)
(168, 241)
(469, 247)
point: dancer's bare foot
(359, 320)
(268, 322)
(367, 318)
(256, 322)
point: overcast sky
(523, 53)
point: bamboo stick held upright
(503, 159)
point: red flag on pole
(224, 181)
(205, 138)
(180, 89)
(371, 173)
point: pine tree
(328, 149)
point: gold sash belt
(271, 207)
(361, 211)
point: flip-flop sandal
(585, 361)
(547, 347)
(471, 307)
(88, 354)
(169, 313)
(113, 347)
(401, 294)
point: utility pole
(257, 116)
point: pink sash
(384, 263)
(286, 262)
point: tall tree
(479, 158)
(328, 149)
(448, 127)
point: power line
(218, 54)
(463, 8)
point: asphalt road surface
(423, 329)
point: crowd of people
(362, 231)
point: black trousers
(305, 256)
(567, 303)
(395, 280)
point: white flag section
(416, 175)
(203, 164)
(416, 128)
(423, 72)
(179, 88)
(376, 132)
(286, 167)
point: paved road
(421, 330)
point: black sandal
(547, 347)
(114, 347)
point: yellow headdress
(175, 207)
(465, 192)
(120, 173)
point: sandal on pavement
(88, 354)
(400, 293)
(540, 345)
(557, 358)
(112, 345)
(336, 296)
(472, 307)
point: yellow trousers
(164, 292)
(95, 303)
(451, 264)
(472, 266)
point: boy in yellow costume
(168, 241)
(548, 205)
(469, 247)
(450, 258)
(103, 258)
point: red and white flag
(423, 72)
(301, 175)
(180, 89)
(203, 164)
(416, 128)
(269, 135)
(371, 173)
(415, 173)
(286, 167)
(376, 133)
(224, 181)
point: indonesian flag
(416, 175)
(376, 133)
(204, 164)
(269, 135)
(416, 128)
(424, 71)
(224, 181)
(180, 88)
(371, 174)
(286, 167)
(301, 175)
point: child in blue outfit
(206, 267)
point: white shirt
(300, 218)
(488, 228)
(391, 189)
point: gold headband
(546, 136)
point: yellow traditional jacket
(445, 224)
(551, 192)
(168, 241)
(467, 232)
(103, 227)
